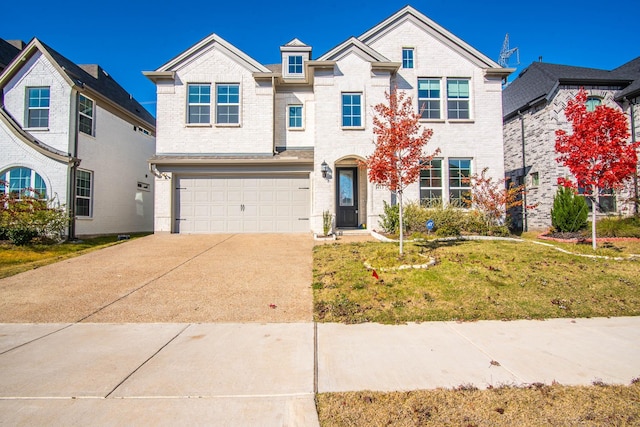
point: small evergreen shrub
(26, 217)
(569, 212)
(390, 219)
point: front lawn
(16, 259)
(473, 280)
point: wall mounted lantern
(324, 168)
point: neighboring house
(9, 49)
(76, 136)
(534, 106)
(246, 147)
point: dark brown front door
(347, 197)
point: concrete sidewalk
(487, 353)
(249, 374)
(157, 374)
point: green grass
(473, 280)
(536, 405)
(16, 259)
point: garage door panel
(208, 204)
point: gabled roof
(539, 80)
(198, 49)
(408, 13)
(296, 43)
(353, 45)
(91, 80)
(629, 70)
(7, 52)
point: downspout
(525, 226)
(71, 200)
(273, 115)
(636, 201)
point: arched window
(18, 180)
(593, 102)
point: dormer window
(295, 64)
(294, 55)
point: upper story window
(85, 115)
(295, 116)
(431, 183)
(429, 98)
(199, 103)
(38, 107)
(84, 193)
(228, 103)
(351, 110)
(593, 102)
(458, 98)
(407, 57)
(18, 181)
(295, 64)
(459, 182)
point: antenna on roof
(506, 53)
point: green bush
(390, 219)
(26, 217)
(614, 226)
(569, 212)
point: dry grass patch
(536, 405)
(472, 280)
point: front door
(347, 197)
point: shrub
(570, 211)
(618, 227)
(327, 222)
(390, 219)
(26, 217)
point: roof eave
(156, 76)
(498, 72)
(201, 161)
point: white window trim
(289, 74)
(441, 188)
(93, 117)
(469, 100)
(448, 182)
(197, 104)
(28, 109)
(362, 111)
(90, 198)
(302, 124)
(32, 179)
(440, 101)
(239, 104)
(413, 58)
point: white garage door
(261, 204)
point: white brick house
(71, 132)
(241, 145)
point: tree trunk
(594, 208)
(400, 214)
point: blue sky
(128, 37)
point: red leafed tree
(399, 139)
(598, 152)
(492, 199)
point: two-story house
(74, 135)
(247, 147)
(534, 106)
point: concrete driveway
(170, 278)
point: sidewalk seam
(146, 361)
